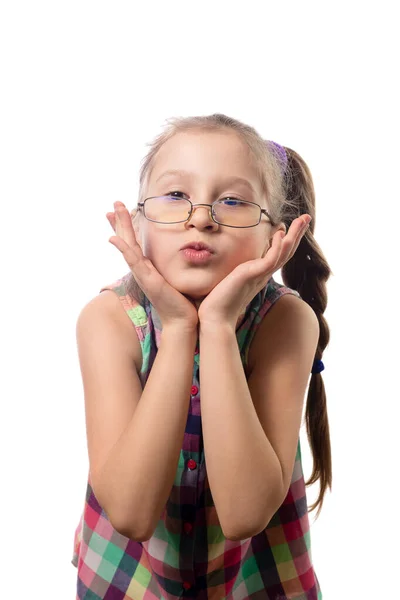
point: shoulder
(290, 304)
(108, 306)
(288, 316)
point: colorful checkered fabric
(188, 555)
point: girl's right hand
(172, 306)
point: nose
(201, 218)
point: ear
(279, 227)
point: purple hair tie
(280, 152)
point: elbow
(269, 514)
(131, 533)
(236, 537)
(125, 526)
(119, 521)
(240, 533)
(129, 530)
(128, 533)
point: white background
(84, 86)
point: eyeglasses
(229, 212)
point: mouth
(197, 256)
(199, 246)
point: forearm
(139, 473)
(242, 467)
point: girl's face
(210, 161)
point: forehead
(214, 155)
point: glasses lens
(167, 209)
(237, 213)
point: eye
(175, 192)
(231, 199)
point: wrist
(180, 330)
(216, 328)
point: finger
(134, 258)
(296, 229)
(118, 225)
(290, 244)
(284, 245)
(111, 219)
(273, 254)
(302, 228)
(125, 241)
(124, 227)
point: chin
(195, 290)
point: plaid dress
(188, 555)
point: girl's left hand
(225, 303)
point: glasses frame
(210, 206)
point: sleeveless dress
(188, 555)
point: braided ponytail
(307, 272)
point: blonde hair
(290, 193)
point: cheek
(159, 251)
(249, 248)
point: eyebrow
(232, 179)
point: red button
(187, 585)
(192, 464)
(188, 527)
(196, 351)
(194, 390)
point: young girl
(195, 487)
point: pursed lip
(198, 246)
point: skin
(211, 157)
